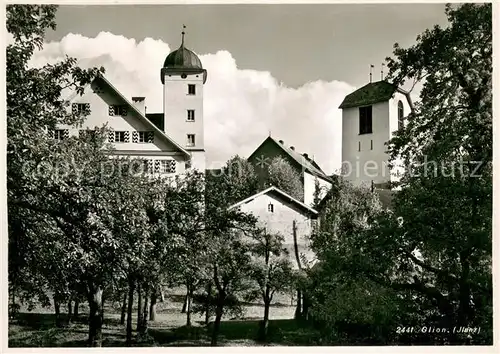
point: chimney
(140, 104)
(292, 147)
(282, 142)
(306, 156)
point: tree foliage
(284, 177)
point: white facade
(183, 113)
(285, 215)
(138, 137)
(364, 156)
(310, 182)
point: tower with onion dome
(183, 78)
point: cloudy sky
(282, 69)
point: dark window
(191, 89)
(190, 140)
(190, 115)
(371, 144)
(401, 115)
(359, 145)
(365, 120)
(270, 208)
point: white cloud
(241, 106)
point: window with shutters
(117, 110)
(61, 134)
(121, 137)
(365, 120)
(80, 108)
(190, 115)
(143, 137)
(167, 166)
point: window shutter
(111, 136)
(87, 108)
(65, 134)
(171, 166)
(74, 108)
(135, 137)
(126, 136)
(124, 110)
(151, 136)
(111, 110)
(157, 166)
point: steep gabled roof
(281, 195)
(372, 93)
(309, 165)
(141, 116)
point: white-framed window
(117, 110)
(191, 89)
(190, 115)
(168, 166)
(270, 208)
(61, 134)
(191, 140)
(121, 136)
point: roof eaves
(139, 113)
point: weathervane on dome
(183, 33)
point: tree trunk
(152, 307)
(131, 289)
(184, 305)
(124, 309)
(144, 319)
(207, 303)
(76, 308)
(102, 309)
(70, 311)
(298, 308)
(57, 309)
(218, 317)
(188, 307)
(95, 316)
(264, 325)
(305, 307)
(139, 307)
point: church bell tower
(183, 78)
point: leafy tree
(434, 247)
(284, 177)
(271, 270)
(446, 146)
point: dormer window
(401, 115)
(365, 120)
(80, 108)
(270, 208)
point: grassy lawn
(37, 328)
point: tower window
(191, 89)
(401, 114)
(270, 208)
(190, 140)
(190, 115)
(359, 145)
(371, 144)
(365, 120)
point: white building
(370, 116)
(172, 141)
(279, 213)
